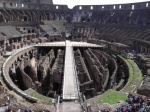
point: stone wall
(102, 68)
(57, 69)
(28, 83)
(93, 66)
(8, 64)
(43, 4)
(82, 72)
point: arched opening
(25, 18)
(16, 4)
(80, 7)
(119, 6)
(22, 5)
(29, 31)
(4, 5)
(146, 4)
(56, 87)
(11, 4)
(18, 59)
(57, 7)
(132, 7)
(39, 75)
(27, 70)
(114, 7)
(20, 83)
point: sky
(72, 3)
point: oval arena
(89, 58)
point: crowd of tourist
(19, 110)
(134, 104)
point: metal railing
(81, 97)
(76, 77)
(83, 103)
(56, 102)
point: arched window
(119, 6)
(16, 5)
(80, 7)
(22, 5)
(146, 4)
(132, 7)
(114, 7)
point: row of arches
(30, 15)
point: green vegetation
(135, 76)
(42, 99)
(113, 97)
(110, 97)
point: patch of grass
(113, 97)
(110, 97)
(42, 99)
(135, 76)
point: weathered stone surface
(145, 88)
(90, 93)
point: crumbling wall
(26, 79)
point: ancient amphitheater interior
(91, 58)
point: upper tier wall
(129, 6)
(23, 5)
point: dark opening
(27, 70)
(56, 87)
(25, 18)
(19, 79)
(39, 73)
(10, 4)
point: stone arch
(15, 62)
(34, 16)
(11, 4)
(25, 18)
(18, 58)
(25, 54)
(2, 18)
(27, 70)
(29, 16)
(29, 52)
